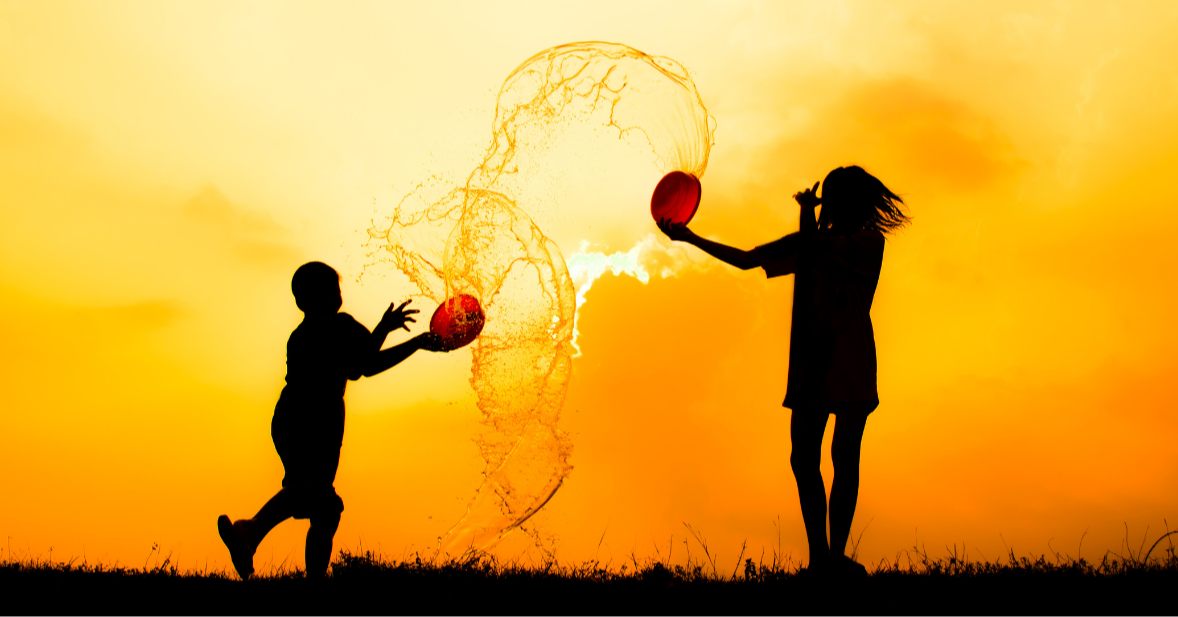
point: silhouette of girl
(835, 261)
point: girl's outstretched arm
(745, 260)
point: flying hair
(853, 200)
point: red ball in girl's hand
(676, 197)
(458, 321)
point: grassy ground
(1138, 582)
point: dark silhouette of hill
(365, 584)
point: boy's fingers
(403, 304)
(410, 312)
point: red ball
(676, 197)
(458, 321)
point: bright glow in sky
(164, 167)
(586, 266)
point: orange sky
(165, 167)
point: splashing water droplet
(493, 252)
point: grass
(1136, 581)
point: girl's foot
(241, 549)
(847, 567)
(817, 568)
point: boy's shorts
(310, 455)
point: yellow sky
(165, 167)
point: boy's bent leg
(806, 427)
(241, 548)
(243, 536)
(280, 507)
(844, 491)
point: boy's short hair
(311, 280)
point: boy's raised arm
(396, 317)
(386, 359)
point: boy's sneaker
(236, 539)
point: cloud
(211, 206)
(255, 238)
(906, 128)
(652, 254)
(150, 314)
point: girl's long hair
(853, 199)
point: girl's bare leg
(805, 430)
(844, 491)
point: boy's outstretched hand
(397, 318)
(809, 197)
(676, 231)
(431, 342)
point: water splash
(479, 239)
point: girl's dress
(832, 345)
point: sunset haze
(165, 167)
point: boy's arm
(393, 319)
(379, 360)
(386, 359)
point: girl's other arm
(807, 200)
(745, 260)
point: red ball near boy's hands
(458, 321)
(676, 198)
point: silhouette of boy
(326, 350)
(836, 262)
